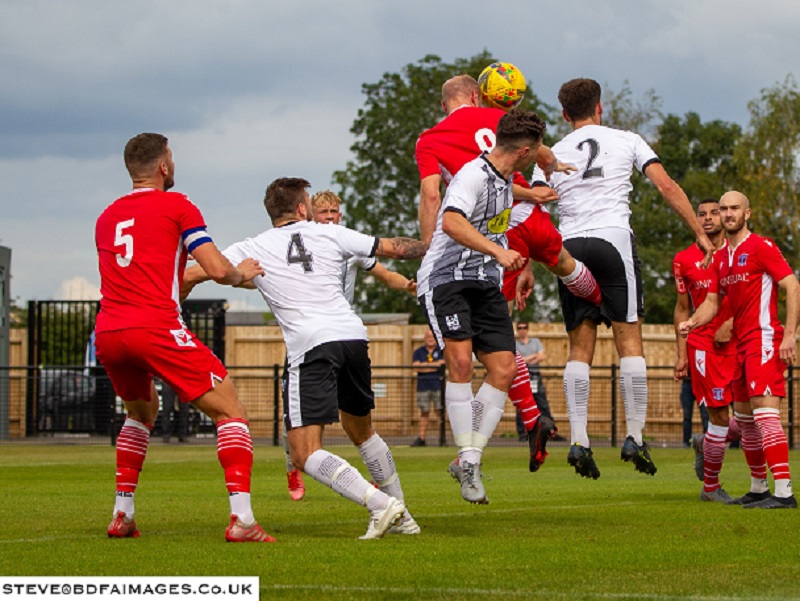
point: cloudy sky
(248, 91)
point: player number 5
(125, 240)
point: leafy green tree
(379, 186)
(766, 163)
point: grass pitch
(550, 535)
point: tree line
(379, 185)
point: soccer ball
(502, 86)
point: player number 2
(125, 240)
(297, 253)
(594, 151)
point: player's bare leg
(337, 474)
(582, 341)
(235, 453)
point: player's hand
(411, 288)
(681, 369)
(787, 350)
(510, 259)
(685, 327)
(723, 335)
(249, 268)
(525, 283)
(565, 168)
(543, 194)
(705, 245)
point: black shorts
(610, 254)
(470, 309)
(330, 377)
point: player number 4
(125, 240)
(297, 253)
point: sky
(248, 91)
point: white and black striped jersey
(597, 194)
(484, 197)
(304, 265)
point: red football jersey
(692, 279)
(143, 240)
(749, 276)
(457, 139)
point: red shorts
(534, 238)
(759, 374)
(711, 375)
(132, 357)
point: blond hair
(325, 198)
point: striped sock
(131, 452)
(235, 454)
(576, 391)
(713, 456)
(582, 284)
(776, 448)
(751, 446)
(521, 395)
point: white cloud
(77, 289)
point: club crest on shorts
(182, 337)
(718, 393)
(452, 322)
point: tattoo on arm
(405, 248)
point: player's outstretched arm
(401, 248)
(677, 199)
(393, 280)
(536, 194)
(196, 274)
(704, 314)
(219, 269)
(430, 201)
(788, 346)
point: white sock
(492, 402)
(458, 399)
(123, 502)
(633, 383)
(759, 485)
(240, 507)
(379, 461)
(335, 473)
(286, 451)
(576, 391)
(783, 488)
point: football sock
(713, 455)
(752, 447)
(492, 402)
(776, 448)
(379, 461)
(521, 395)
(131, 451)
(734, 433)
(582, 284)
(458, 398)
(286, 451)
(576, 391)
(633, 383)
(235, 454)
(335, 473)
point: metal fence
(77, 405)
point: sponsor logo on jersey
(729, 280)
(452, 322)
(499, 223)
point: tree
(379, 186)
(766, 162)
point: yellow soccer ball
(502, 86)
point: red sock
(713, 456)
(751, 446)
(235, 453)
(582, 284)
(734, 433)
(776, 449)
(131, 451)
(522, 397)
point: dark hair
(518, 127)
(706, 201)
(143, 151)
(579, 97)
(284, 195)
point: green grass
(550, 535)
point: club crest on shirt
(452, 322)
(742, 260)
(182, 337)
(499, 223)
